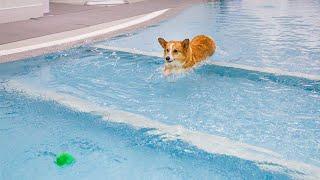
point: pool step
(210, 143)
(275, 71)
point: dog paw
(166, 72)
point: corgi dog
(183, 55)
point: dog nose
(167, 58)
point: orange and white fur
(184, 55)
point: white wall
(18, 3)
(16, 10)
(81, 2)
(45, 6)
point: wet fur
(186, 54)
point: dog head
(175, 52)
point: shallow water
(32, 132)
(243, 106)
(276, 34)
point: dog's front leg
(166, 71)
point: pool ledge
(268, 70)
(266, 159)
(9, 51)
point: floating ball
(64, 159)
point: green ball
(64, 159)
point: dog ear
(162, 42)
(185, 43)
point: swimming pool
(121, 118)
(33, 132)
(270, 34)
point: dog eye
(167, 50)
(175, 51)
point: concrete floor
(66, 17)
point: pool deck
(65, 22)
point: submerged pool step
(274, 71)
(265, 158)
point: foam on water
(207, 142)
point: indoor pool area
(252, 111)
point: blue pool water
(250, 108)
(227, 122)
(276, 33)
(33, 131)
